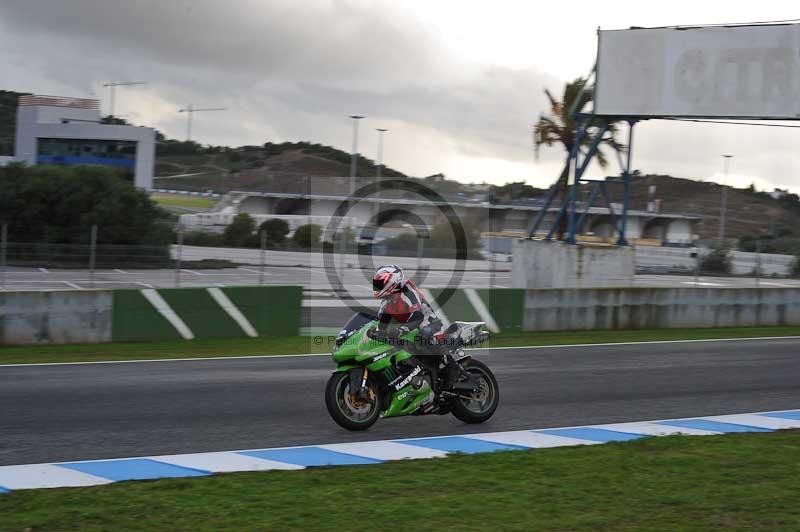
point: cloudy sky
(457, 83)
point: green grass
(191, 202)
(305, 344)
(729, 482)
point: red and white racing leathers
(409, 307)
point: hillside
(749, 213)
(300, 167)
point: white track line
(233, 311)
(165, 310)
(435, 306)
(559, 346)
(646, 342)
(480, 308)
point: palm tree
(561, 127)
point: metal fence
(88, 262)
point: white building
(58, 130)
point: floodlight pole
(189, 110)
(724, 201)
(379, 168)
(354, 154)
(112, 86)
(353, 172)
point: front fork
(358, 381)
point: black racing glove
(377, 334)
(401, 331)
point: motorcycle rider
(404, 303)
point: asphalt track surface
(90, 411)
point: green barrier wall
(175, 313)
(507, 306)
(503, 305)
(455, 305)
(134, 318)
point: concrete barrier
(553, 264)
(55, 317)
(652, 308)
(95, 316)
(140, 315)
(621, 308)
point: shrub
(444, 242)
(239, 232)
(276, 230)
(344, 237)
(308, 236)
(202, 238)
(718, 260)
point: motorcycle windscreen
(356, 322)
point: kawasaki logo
(403, 383)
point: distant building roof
(59, 101)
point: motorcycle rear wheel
(482, 404)
(347, 410)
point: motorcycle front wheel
(348, 410)
(480, 405)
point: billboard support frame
(578, 163)
(604, 114)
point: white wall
(30, 128)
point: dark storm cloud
(331, 40)
(287, 64)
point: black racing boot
(456, 379)
(451, 372)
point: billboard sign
(706, 72)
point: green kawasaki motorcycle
(401, 376)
